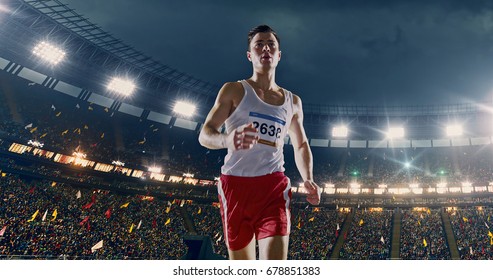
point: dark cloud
(334, 52)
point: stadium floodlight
(184, 108)
(49, 52)
(330, 188)
(154, 169)
(382, 186)
(413, 186)
(354, 188)
(466, 187)
(121, 86)
(395, 132)
(340, 131)
(79, 155)
(118, 163)
(3, 8)
(454, 130)
(407, 164)
(417, 190)
(188, 175)
(35, 143)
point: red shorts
(254, 206)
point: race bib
(270, 129)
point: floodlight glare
(184, 108)
(121, 86)
(49, 52)
(154, 169)
(454, 130)
(340, 131)
(395, 132)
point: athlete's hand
(244, 137)
(313, 192)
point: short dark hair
(261, 29)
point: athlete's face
(264, 51)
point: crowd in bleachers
(314, 232)
(369, 236)
(472, 232)
(423, 236)
(131, 228)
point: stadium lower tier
(46, 219)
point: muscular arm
(210, 137)
(302, 152)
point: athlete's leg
(273, 247)
(247, 253)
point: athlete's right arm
(210, 137)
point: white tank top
(272, 122)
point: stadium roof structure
(94, 56)
(28, 21)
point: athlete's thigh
(274, 247)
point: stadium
(100, 160)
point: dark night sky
(334, 52)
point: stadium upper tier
(92, 57)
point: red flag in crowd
(108, 213)
(31, 190)
(154, 223)
(84, 221)
(88, 205)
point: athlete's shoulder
(232, 87)
(231, 91)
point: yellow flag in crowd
(425, 243)
(465, 219)
(34, 216)
(131, 228)
(125, 205)
(490, 234)
(168, 209)
(4, 174)
(53, 184)
(102, 135)
(55, 213)
(42, 136)
(311, 219)
(58, 114)
(33, 129)
(361, 222)
(419, 223)
(65, 132)
(167, 221)
(200, 211)
(428, 211)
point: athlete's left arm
(302, 152)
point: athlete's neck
(264, 81)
